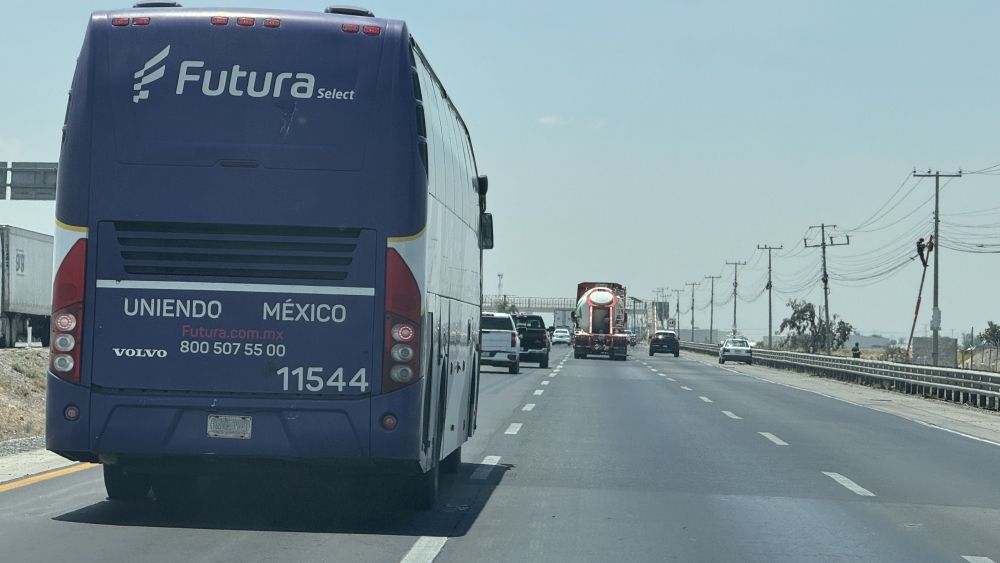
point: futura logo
(235, 81)
(143, 77)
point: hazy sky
(651, 143)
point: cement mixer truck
(600, 320)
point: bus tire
(544, 363)
(515, 367)
(122, 485)
(425, 488)
(677, 354)
(174, 488)
(651, 352)
(451, 464)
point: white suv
(501, 345)
(736, 349)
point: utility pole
(678, 309)
(693, 285)
(711, 314)
(735, 266)
(770, 329)
(826, 277)
(936, 314)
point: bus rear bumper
(115, 424)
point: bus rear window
(194, 94)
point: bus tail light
(513, 339)
(401, 351)
(67, 314)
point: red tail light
(401, 351)
(67, 314)
(513, 339)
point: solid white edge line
(778, 441)
(235, 287)
(528, 407)
(848, 484)
(704, 398)
(424, 550)
(485, 467)
(514, 428)
(539, 391)
(731, 415)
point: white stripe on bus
(236, 287)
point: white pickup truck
(500, 343)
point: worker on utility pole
(921, 246)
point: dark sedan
(664, 341)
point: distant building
(868, 341)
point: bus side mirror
(485, 231)
(482, 184)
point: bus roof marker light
(350, 28)
(272, 22)
(140, 20)
(245, 22)
(119, 22)
(219, 20)
(372, 30)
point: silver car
(736, 349)
(560, 336)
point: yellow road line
(25, 481)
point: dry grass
(22, 392)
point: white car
(560, 336)
(501, 345)
(736, 349)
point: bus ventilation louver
(236, 251)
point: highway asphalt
(652, 459)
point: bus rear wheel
(174, 488)
(122, 485)
(424, 489)
(453, 462)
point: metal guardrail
(976, 388)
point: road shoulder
(958, 418)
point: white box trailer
(25, 285)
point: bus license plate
(228, 426)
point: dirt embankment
(22, 392)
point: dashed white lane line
(775, 439)
(539, 391)
(424, 550)
(850, 485)
(731, 415)
(552, 375)
(514, 428)
(529, 407)
(671, 379)
(546, 382)
(484, 469)
(662, 375)
(977, 559)
(704, 398)
(686, 388)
